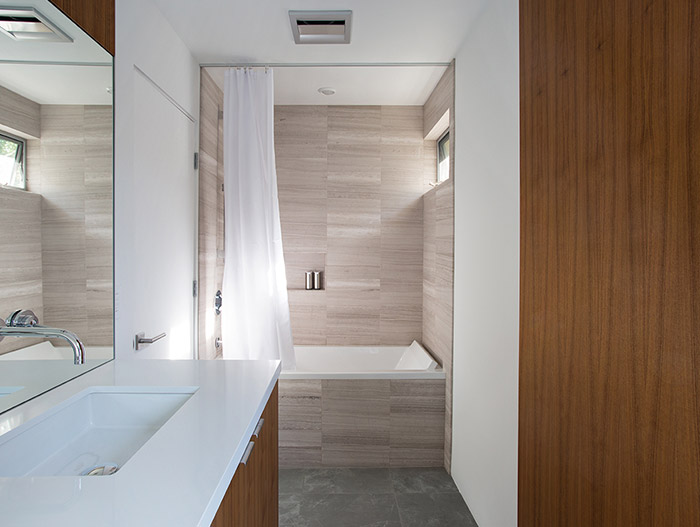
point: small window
(12, 152)
(443, 146)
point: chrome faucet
(24, 323)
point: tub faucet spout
(25, 324)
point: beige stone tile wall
(350, 183)
(440, 101)
(362, 423)
(300, 427)
(211, 214)
(438, 271)
(70, 166)
(20, 257)
(438, 251)
(19, 114)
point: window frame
(23, 145)
(439, 140)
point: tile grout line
(398, 509)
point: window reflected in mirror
(12, 151)
(443, 146)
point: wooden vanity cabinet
(252, 497)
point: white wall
(487, 241)
(144, 39)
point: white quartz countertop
(179, 477)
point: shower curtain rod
(320, 64)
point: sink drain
(101, 470)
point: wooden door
(610, 263)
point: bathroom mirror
(56, 167)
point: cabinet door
(252, 497)
(233, 509)
(239, 490)
(269, 465)
(262, 470)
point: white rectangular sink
(8, 390)
(98, 427)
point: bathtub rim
(437, 374)
(434, 373)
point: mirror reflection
(56, 299)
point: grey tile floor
(356, 497)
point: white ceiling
(383, 31)
(364, 86)
(58, 84)
(54, 84)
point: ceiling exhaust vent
(321, 27)
(26, 23)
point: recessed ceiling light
(321, 27)
(327, 91)
(26, 23)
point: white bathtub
(47, 351)
(364, 362)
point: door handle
(246, 454)
(140, 340)
(259, 427)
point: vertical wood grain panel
(610, 272)
(95, 17)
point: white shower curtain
(255, 315)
